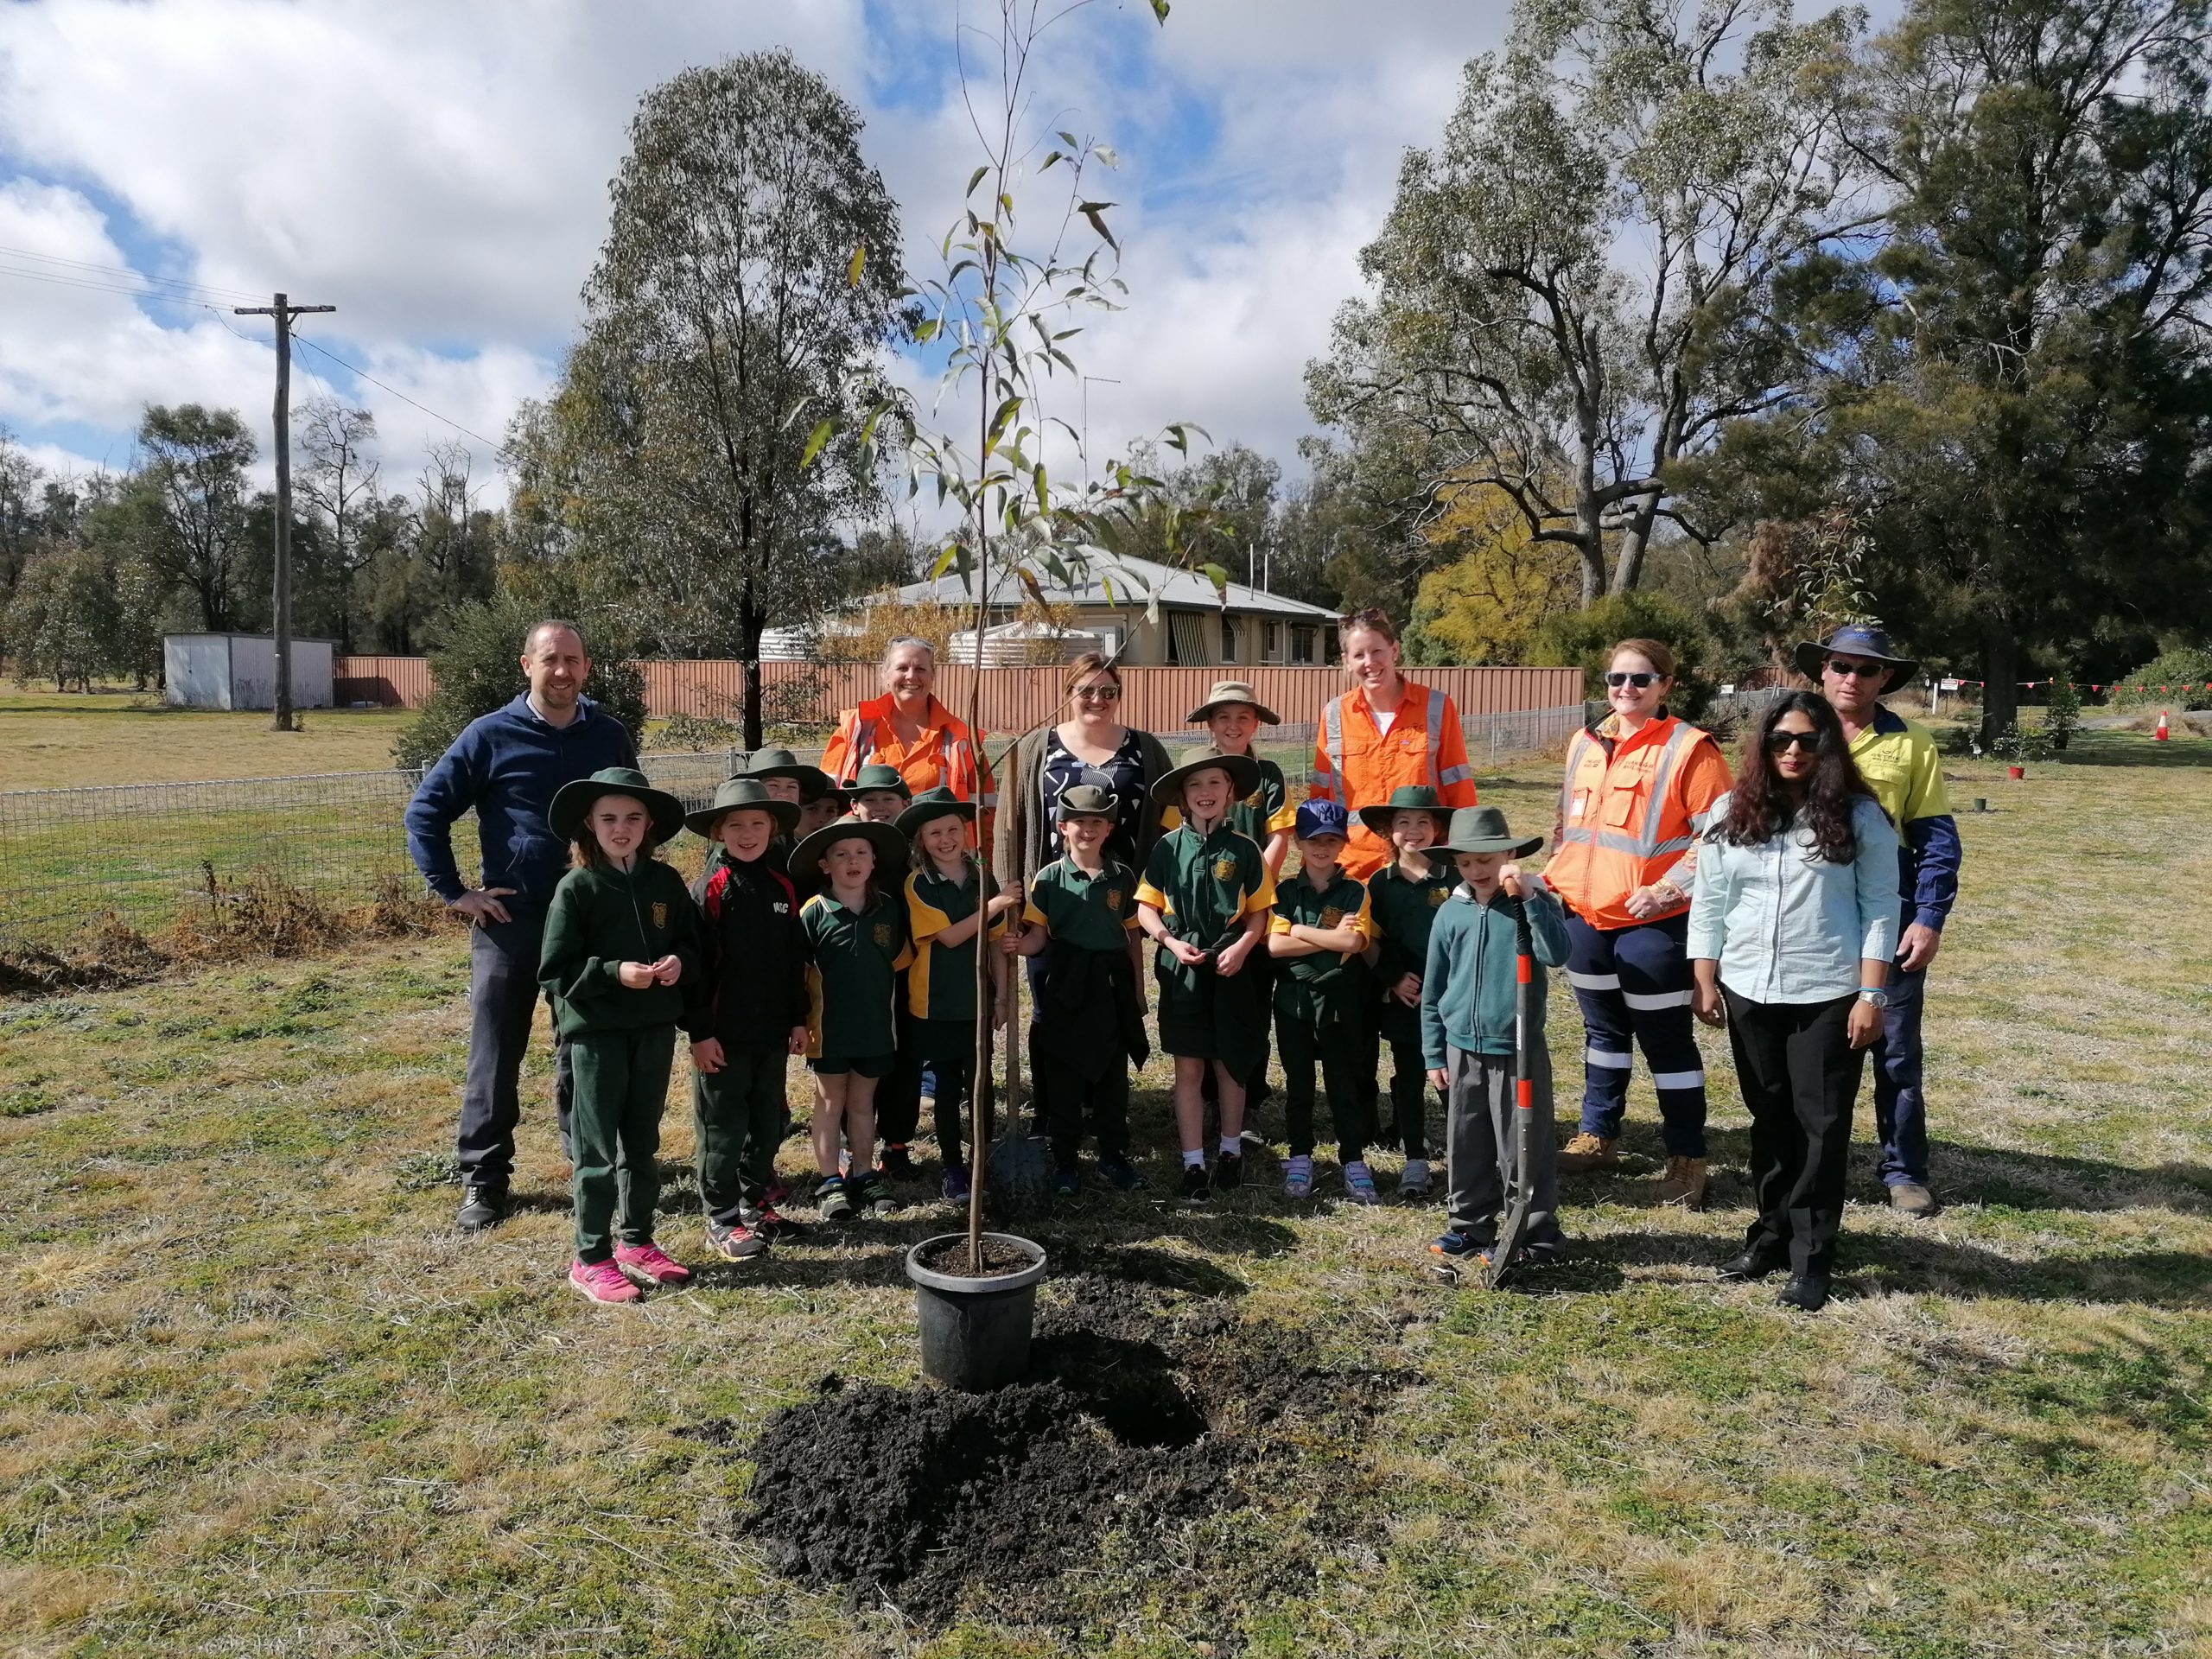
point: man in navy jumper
(505, 766)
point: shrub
(2063, 712)
(1585, 639)
(2189, 665)
(477, 665)
(2018, 745)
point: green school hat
(813, 782)
(890, 848)
(574, 800)
(1244, 775)
(1482, 830)
(1407, 797)
(1087, 801)
(873, 779)
(741, 792)
(937, 803)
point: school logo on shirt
(883, 936)
(1114, 900)
(1331, 917)
(660, 913)
(1224, 870)
(1437, 896)
(1253, 799)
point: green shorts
(861, 1065)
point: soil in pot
(950, 1258)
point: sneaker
(955, 1185)
(1120, 1174)
(1584, 1153)
(832, 1201)
(734, 1241)
(1459, 1244)
(1297, 1177)
(603, 1282)
(1359, 1184)
(896, 1165)
(1911, 1198)
(1253, 1138)
(772, 1223)
(481, 1208)
(651, 1262)
(872, 1195)
(1067, 1181)
(1229, 1170)
(1413, 1180)
(776, 1197)
(1684, 1184)
(1196, 1187)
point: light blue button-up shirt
(1785, 924)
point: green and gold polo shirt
(1299, 903)
(941, 985)
(1259, 814)
(1403, 909)
(1206, 884)
(1091, 912)
(852, 976)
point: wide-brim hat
(878, 779)
(573, 801)
(890, 846)
(813, 782)
(1482, 830)
(749, 793)
(1855, 641)
(1407, 797)
(1226, 692)
(1087, 801)
(937, 803)
(1244, 775)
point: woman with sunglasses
(1792, 931)
(1639, 783)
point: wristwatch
(1879, 999)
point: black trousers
(1799, 1076)
(1071, 1100)
(503, 996)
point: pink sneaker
(602, 1281)
(653, 1263)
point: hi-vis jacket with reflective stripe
(1629, 813)
(944, 755)
(1356, 763)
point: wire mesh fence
(74, 860)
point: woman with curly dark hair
(1792, 922)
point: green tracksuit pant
(621, 1083)
(738, 1117)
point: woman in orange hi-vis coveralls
(1386, 732)
(909, 729)
(1639, 785)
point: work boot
(1587, 1151)
(1911, 1198)
(1684, 1183)
(1806, 1292)
(481, 1208)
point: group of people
(869, 913)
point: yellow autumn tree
(1498, 585)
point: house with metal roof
(1198, 626)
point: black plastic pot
(975, 1332)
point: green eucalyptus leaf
(820, 436)
(975, 179)
(858, 264)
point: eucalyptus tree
(190, 489)
(1573, 289)
(749, 283)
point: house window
(1271, 635)
(1228, 637)
(1186, 639)
(1302, 644)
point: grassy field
(57, 741)
(256, 1398)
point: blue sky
(438, 171)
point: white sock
(1194, 1159)
(1231, 1146)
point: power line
(124, 271)
(496, 448)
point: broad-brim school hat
(573, 801)
(890, 847)
(1227, 691)
(875, 779)
(741, 792)
(1087, 801)
(1407, 797)
(1244, 775)
(813, 782)
(1482, 830)
(937, 803)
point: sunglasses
(1858, 670)
(1778, 742)
(1099, 694)
(1618, 677)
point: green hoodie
(1467, 989)
(601, 918)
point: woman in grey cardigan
(1793, 922)
(1091, 745)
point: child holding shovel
(1468, 1038)
(1320, 930)
(1204, 901)
(1403, 898)
(621, 936)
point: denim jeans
(503, 996)
(1900, 1107)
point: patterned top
(1123, 774)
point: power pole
(283, 313)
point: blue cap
(1322, 817)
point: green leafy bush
(2189, 665)
(2061, 715)
(477, 665)
(1585, 639)
(2017, 745)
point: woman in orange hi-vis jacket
(1639, 783)
(908, 728)
(1386, 732)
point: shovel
(1522, 1194)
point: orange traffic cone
(2159, 736)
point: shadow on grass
(2106, 749)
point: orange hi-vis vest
(1358, 764)
(1632, 815)
(945, 755)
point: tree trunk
(2001, 696)
(749, 629)
(1628, 570)
(1590, 532)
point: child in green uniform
(1403, 897)
(1081, 917)
(1467, 1035)
(856, 929)
(789, 779)
(745, 1012)
(943, 894)
(620, 936)
(878, 794)
(1320, 930)
(1204, 901)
